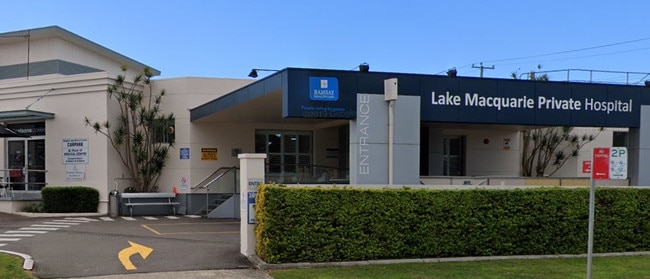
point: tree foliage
(549, 146)
(554, 146)
(135, 134)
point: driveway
(90, 246)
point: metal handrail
(6, 185)
(591, 72)
(302, 170)
(207, 182)
(203, 184)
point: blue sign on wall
(251, 206)
(323, 89)
(185, 153)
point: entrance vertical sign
(599, 171)
(250, 176)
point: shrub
(70, 199)
(35, 208)
(335, 224)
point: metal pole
(590, 238)
(391, 135)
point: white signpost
(618, 163)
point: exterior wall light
(364, 67)
(253, 72)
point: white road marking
(193, 216)
(16, 235)
(128, 218)
(172, 217)
(82, 219)
(10, 239)
(150, 218)
(40, 228)
(51, 226)
(26, 231)
(106, 218)
(60, 223)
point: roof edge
(57, 31)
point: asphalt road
(68, 247)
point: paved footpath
(199, 274)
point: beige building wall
(488, 154)
(182, 94)
(73, 98)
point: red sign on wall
(600, 166)
(586, 166)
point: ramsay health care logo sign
(323, 89)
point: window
(163, 131)
(453, 156)
(289, 153)
(620, 139)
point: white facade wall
(182, 94)
(74, 97)
(486, 153)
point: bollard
(114, 204)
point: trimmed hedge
(344, 224)
(70, 199)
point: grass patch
(11, 267)
(609, 267)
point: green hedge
(344, 224)
(70, 199)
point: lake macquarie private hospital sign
(358, 97)
(471, 100)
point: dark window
(289, 154)
(164, 132)
(453, 156)
(620, 139)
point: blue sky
(228, 38)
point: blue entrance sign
(251, 206)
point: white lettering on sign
(363, 116)
(524, 102)
(447, 99)
(323, 92)
(609, 107)
(498, 102)
(559, 104)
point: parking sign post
(607, 163)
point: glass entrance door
(26, 161)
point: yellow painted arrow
(126, 253)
